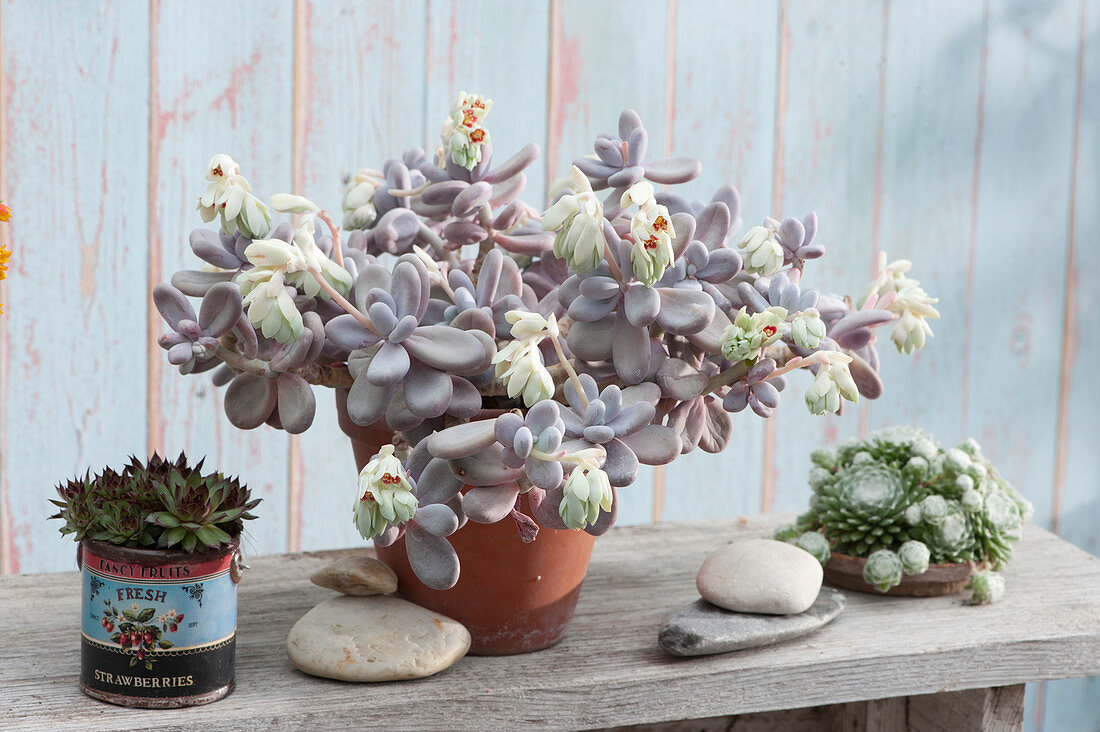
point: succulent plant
(159, 504)
(883, 569)
(897, 490)
(914, 556)
(544, 350)
(815, 544)
(986, 587)
(863, 509)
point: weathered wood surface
(608, 671)
(961, 135)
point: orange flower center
(769, 330)
(478, 136)
(650, 243)
(388, 479)
(660, 224)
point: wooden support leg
(1000, 709)
(878, 715)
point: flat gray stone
(701, 629)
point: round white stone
(760, 576)
(376, 638)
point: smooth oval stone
(378, 638)
(760, 576)
(356, 575)
(701, 628)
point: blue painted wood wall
(962, 135)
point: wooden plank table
(885, 663)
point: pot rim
(157, 556)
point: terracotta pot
(845, 571)
(513, 597)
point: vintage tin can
(158, 627)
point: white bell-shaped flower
(385, 495)
(587, 491)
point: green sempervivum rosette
(883, 569)
(863, 509)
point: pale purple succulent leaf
(247, 342)
(513, 165)
(855, 339)
(382, 317)
(625, 177)
(591, 341)
(867, 380)
(463, 440)
(389, 535)
(446, 349)
(249, 400)
(297, 403)
(673, 170)
(654, 445)
(621, 464)
(367, 402)
(723, 265)
(713, 224)
(719, 428)
(522, 443)
(543, 415)
(389, 365)
(684, 225)
(606, 519)
(587, 310)
(632, 418)
(443, 193)
(767, 394)
(591, 391)
(221, 309)
(489, 504)
(636, 146)
(465, 398)
(609, 152)
(432, 558)
(646, 392)
(684, 311)
(484, 468)
(543, 473)
(173, 305)
(641, 305)
(427, 391)
(348, 333)
(680, 380)
(180, 353)
(598, 433)
(505, 428)
(534, 243)
(860, 319)
(207, 246)
(471, 199)
(630, 349)
(436, 519)
(437, 484)
(195, 283)
(595, 168)
(294, 355)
